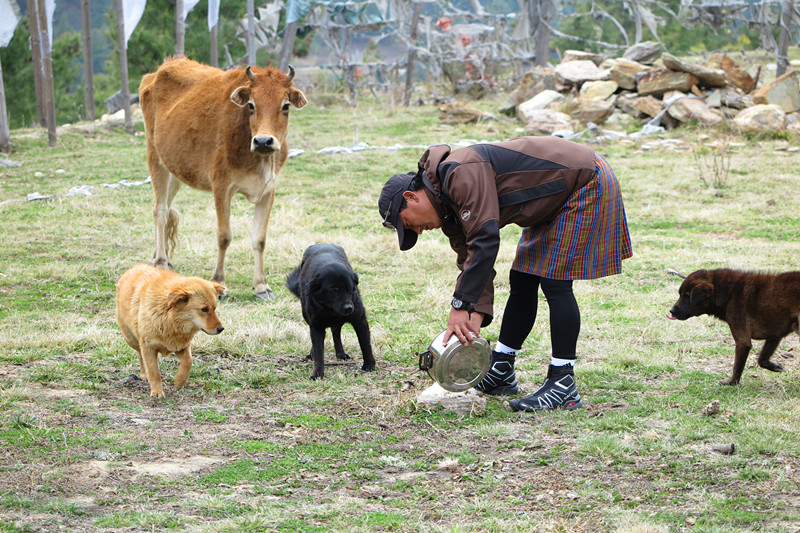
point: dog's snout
(219, 330)
(347, 308)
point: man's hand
(462, 324)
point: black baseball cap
(389, 204)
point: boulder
(688, 109)
(761, 119)
(734, 74)
(545, 122)
(626, 72)
(706, 76)
(784, 91)
(598, 90)
(658, 81)
(461, 402)
(543, 100)
(585, 110)
(646, 52)
(578, 55)
(639, 106)
(575, 73)
(458, 113)
(533, 82)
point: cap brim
(406, 237)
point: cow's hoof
(265, 296)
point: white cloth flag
(188, 5)
(9, 18)
(213, 13)
(132, 14)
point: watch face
(457, 304)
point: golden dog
(159, 312)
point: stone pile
(648, 86)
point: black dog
(328, 292)
(755, 306)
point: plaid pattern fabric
(587, 239)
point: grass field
(251, 444)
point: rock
(575, 73)
(783, 91)
(459, 113)
(599, 90)
(734, 74)
(658, 81)
(687, 109)
(543, 100)
(646, 52)
(461, 402)
(626, 72)
(706, 76)
(734, 99)
(724, 449)
(761, 119)
(545, 122)
(579, 55)
(711, 409)
(639, 106)
(534, 81)
(585, 110)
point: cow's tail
(171, 230)
(293, 281)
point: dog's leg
(770, 345)
(362, 331)
(185, 357)
(150, 357)
(336, 332)
(142, 367)
(318, 352)
(742, 351)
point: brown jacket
(481, 188)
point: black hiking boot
(501, 378)
(557, 392)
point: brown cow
(218, 131)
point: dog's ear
(315, 284)
(221, 290)
(178, 298)
(702, 291)
(355, 278)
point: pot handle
(425, 360)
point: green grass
(251, 444)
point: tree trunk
(214, 46)
(88, 66)
(251, 33)
(787, 12)
(412, 55)
(36, 50)
(123, 66)
(5, 133)
(49, 100)
(180, 28)
(289, 33)
(539, 12)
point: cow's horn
(250, 73)
(290, 76)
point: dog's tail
(293, 281)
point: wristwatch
(460, 305)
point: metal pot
(456, 367)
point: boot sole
(519, 406)
(501, 391)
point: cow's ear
(297, 98)
(177, 298)
(240, 96)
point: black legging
(520, 313)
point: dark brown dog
(755, 306)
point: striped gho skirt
(587, 239)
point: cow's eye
(251, 106)
(285, 107)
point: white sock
(555, 361)
(499, 347)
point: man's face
(419, 214)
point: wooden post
(5, 132)
(123, 65)
(214, 46)
(36, 50)
(49, 100)
(251, 33)
(412, 55)
(180, 28)
(88, 66)
(787, 10)
(288, 45)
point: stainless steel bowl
(456, 367)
